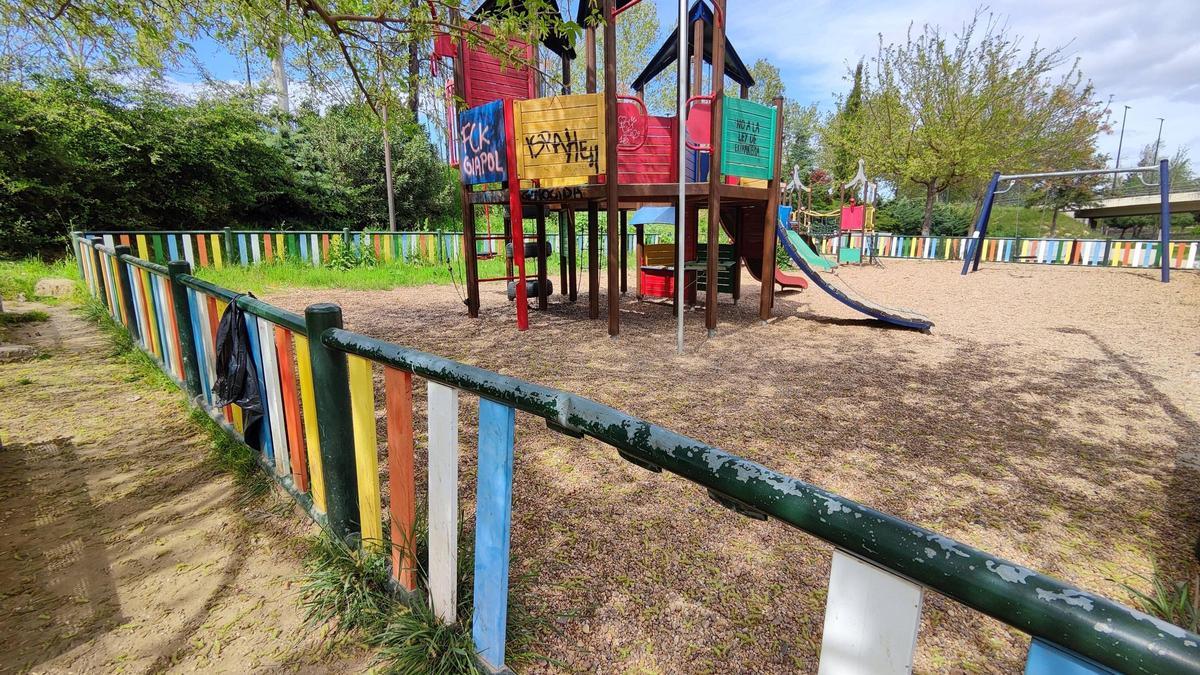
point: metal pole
(1158, 140)
(681, 61)
(985, 211)
(1120, 142)
(1164, 226)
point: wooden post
(566, 76)
(332, 394)
(516, 219)
(468, 209)
(572, 256)
(767, 299)
(714, 168)
(589, 38)
(624, 251)
(698, 60)
(639, 255)
(183, 324)
(562, 251)
(442, 421)
(126, 287)
(612, 200)
(593, 243)
(508, 237)
(541, 257)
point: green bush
(904, 216)
(93, 154)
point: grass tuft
(228, 455)
(345, 587)
(20, 277)
(1174, 601)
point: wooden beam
(593, 244)
(589, 39)
(624, 251)
(543, 300)
(767, 272)
(638, 255)
(572, 255)
(566, 76)
(697, 58)
(611, 177)
(562, 251)
(714, 170)
(468, 208)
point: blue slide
(899, 317)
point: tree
(941, 112)
(844, 162)
(799, 121)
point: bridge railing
(317, 436)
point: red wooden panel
(655, 160)
(658, 283)
(488, 79)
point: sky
(1143, 54)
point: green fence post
(127, 292)
(347, 241)
(183, 323)
(98, 274)
(332, 389)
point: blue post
(975, 245)
(493, 524)
(1164, 229)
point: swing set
(975, 248)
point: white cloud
(1143, 54)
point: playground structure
(319, 442)
(580, 152)
(975, 247)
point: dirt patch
(122, 550)
(1051, 417)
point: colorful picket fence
(216, 248)
(317, 436)
(1185, 254)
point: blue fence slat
(256, 357)
(493, 521)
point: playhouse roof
(559, 44)
(735, 69)
(588, 7)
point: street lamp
(1158, 140)
(1120, 142)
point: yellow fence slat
(366, 448)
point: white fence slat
(871, 620)
(443, 501)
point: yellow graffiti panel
(560, 137)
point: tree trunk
(1053, 222)
(413, 79)
(279, 70)
(387, 170)
(927, 220)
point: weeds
(346, 587)
(228, 455)
(1173, 601)
(20, 277)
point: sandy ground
(1050, 417)
(121, 550)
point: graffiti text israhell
(566, 144)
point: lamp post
(1158, 140)
(1120, 142)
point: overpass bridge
(1182, 199)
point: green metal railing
(1044, 607)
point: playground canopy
(735, 69)
(557, 43)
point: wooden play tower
(572, 153)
